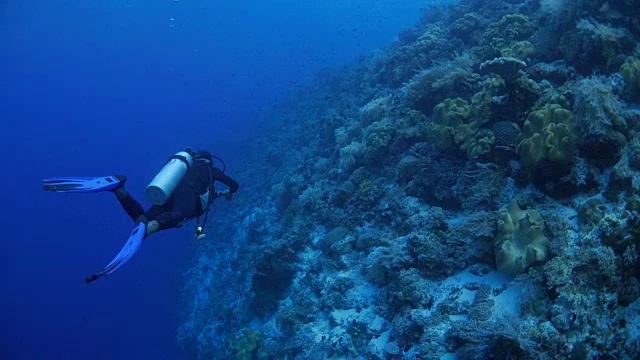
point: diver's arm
(218, 175)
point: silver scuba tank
(165, 182)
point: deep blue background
(93, 87)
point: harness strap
(181, 158)
(211, 193)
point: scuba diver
(181, 191)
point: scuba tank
(165, 182)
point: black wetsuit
(185, 203)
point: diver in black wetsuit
(192, 197)
(182, 190)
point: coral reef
(602, 125)
(433, 84)
(374, 229)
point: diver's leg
(166, 219)
(175, 212)
(157, 218)
(130, 205)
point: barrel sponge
(520, 241)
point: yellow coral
(246, 345)
(512, 28)
(507, 36)
(558, 141)
(631, 73)
(531, 150)
(450, 125)
(466, 24)
(479, 144)
(453, 125)
(520, 50)
(520, 241)
(547, 134)
(482, 100)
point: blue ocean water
(102, 87)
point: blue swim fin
(81, 184)
(130, 248)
